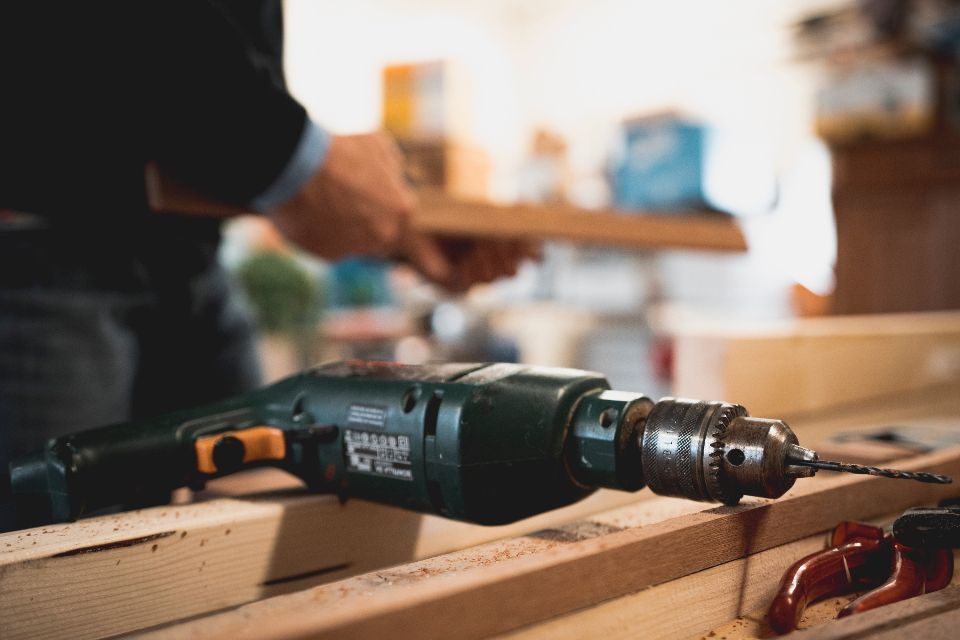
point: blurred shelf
(706, 231)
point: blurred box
(414, 100)
(661, 164)
(426, 107)
(360, 283)
(882, 99)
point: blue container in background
(359, 282)
(661, 164)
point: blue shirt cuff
(307, 158)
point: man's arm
(227, 125)
(217, 114)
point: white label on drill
(377, 453)
(367, 415)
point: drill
(485, 443)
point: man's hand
(360, 204)
(357, 203)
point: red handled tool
(861, 556)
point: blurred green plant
(285, 297)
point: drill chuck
(715, 452)
(682, 449)
(705, 451)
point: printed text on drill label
(367, 415)
(376, 453)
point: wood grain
(801, 366)
(708, 599)
(502, 586)
(118, 573)
(111, 575)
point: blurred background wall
(741, 107)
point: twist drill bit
(919, 476)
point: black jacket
(90, 91)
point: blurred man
(109, 311)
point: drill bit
(919, 476)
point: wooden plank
(708, 599)
(931, 616)
(796, 367)
(275, 538)
(643, 230)
(118, 573)
(502, 586)
(441, 214)
(727, 601)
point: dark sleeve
(90, 91)
(217, 112)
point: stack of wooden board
(293, 565)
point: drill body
(486, 443)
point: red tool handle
(827, 573)
(861, 557)
(913, 572)
(907, 579)
(939, 569)
(851, 564)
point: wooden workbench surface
(615, 565)
(280, 561)
(672, 577)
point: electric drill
(486, 443)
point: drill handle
(138, 464)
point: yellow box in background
(422, 108)
(414, 101)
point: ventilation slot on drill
(436, 496)
(432, 414)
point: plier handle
(860, 556)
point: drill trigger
(229, 450)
